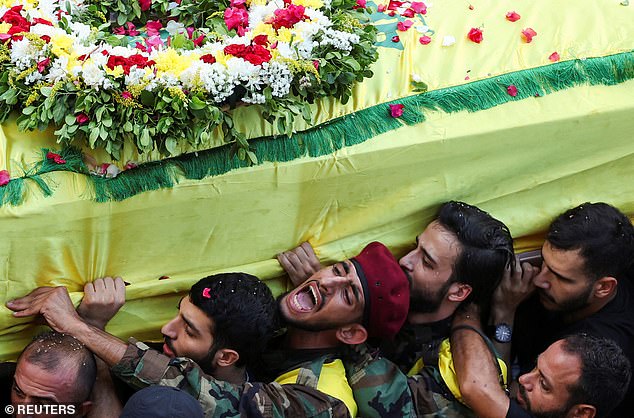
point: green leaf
(147, 98)
(145, 138)
(69, 119)
(197, 104)
(46, 91)
(171, 145)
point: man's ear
(352, 334)
(458, 292)
(582, 411)
(83, 409)
(225, 357)
(605, 287)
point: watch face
(503, 333)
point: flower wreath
(159, 73)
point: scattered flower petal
(475, 35)
(405, 25)
(416, 78)
(82, 118)
(554, 57)
(419, 7)
(421, 28)
(408, 13)
(471, 7)
(396, 110)
(467, 78)
(206, 294)
(448, 40)
(55, 157)
(512, 17)
(528, 35)
(381, 8)
(5, 178)
(396, 38)
(360, 4)
(424, 40)
(512, 90)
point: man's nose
(526, 381)
(407, 261)
(542, 280)
(168, 329)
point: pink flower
(528, 35)
(55, 157)
(408, 13)
(360, 4)
(236, 18)
(145, 4)
(152, 27)
(381, 8)
(206, 294)
(41, 66)
(511, 90)
(475, 35)
(130, 165)
(126, 95)
(396, 110)
(554, 57)
(419, 7)
(394, 5)
(237, 3)
(424, 40)
(5, 178)
(512, 17)
(316, 64)
(403, 26)
(153, 42)
(82, 118)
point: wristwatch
(501, 333)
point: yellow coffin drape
(523, 161)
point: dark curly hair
(243, 312)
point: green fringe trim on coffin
(339, 133)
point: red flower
(554, 57)
(42, 21)
(208, 58)
(286, 18)
(316, 64)
(396, 39)
(41, 66)
(145, 5)
(512, 17)
(403, 26)
(18, 23)
(360, 4)
(528, 35)
(255, 54)
(261, 40)
(199, 41)
(5, 178)
(424, 40)
(511, 90)
(82, 118)
(126, 95)
(396, 110)
(45, 38)
(236, 18)
(55, 157)
(126, 63)
(419, 7)
(475, 34)
(152, 27)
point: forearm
(477, 373)
(105, 346)
(506, 316)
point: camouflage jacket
(141, 367)
(382, 390)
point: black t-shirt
(536, 329)
(7, 370)
(516, 411)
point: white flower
(339, 39)
(416, 78)
(80, 31)
(173, 27)
(94, 76)
(448, 40)
(57, 71)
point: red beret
(385, 288)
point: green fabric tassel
(338, 133)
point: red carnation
(208, 58)
(255, 54)
(286, 18)
(145, 5)
(55, 157)
(137, 60)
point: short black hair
(605, 372)
(486, 248)
(243, 311)
(603, 235)
(53, 351)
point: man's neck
(591, 309)
(420, 318)
(301, 339)
(232, 374)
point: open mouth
(167, 350)
(306, 299)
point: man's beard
(559, 413)
(574, 304)
(424, 301)
(322, 326)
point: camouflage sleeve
(141, 366)
(381, 389)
